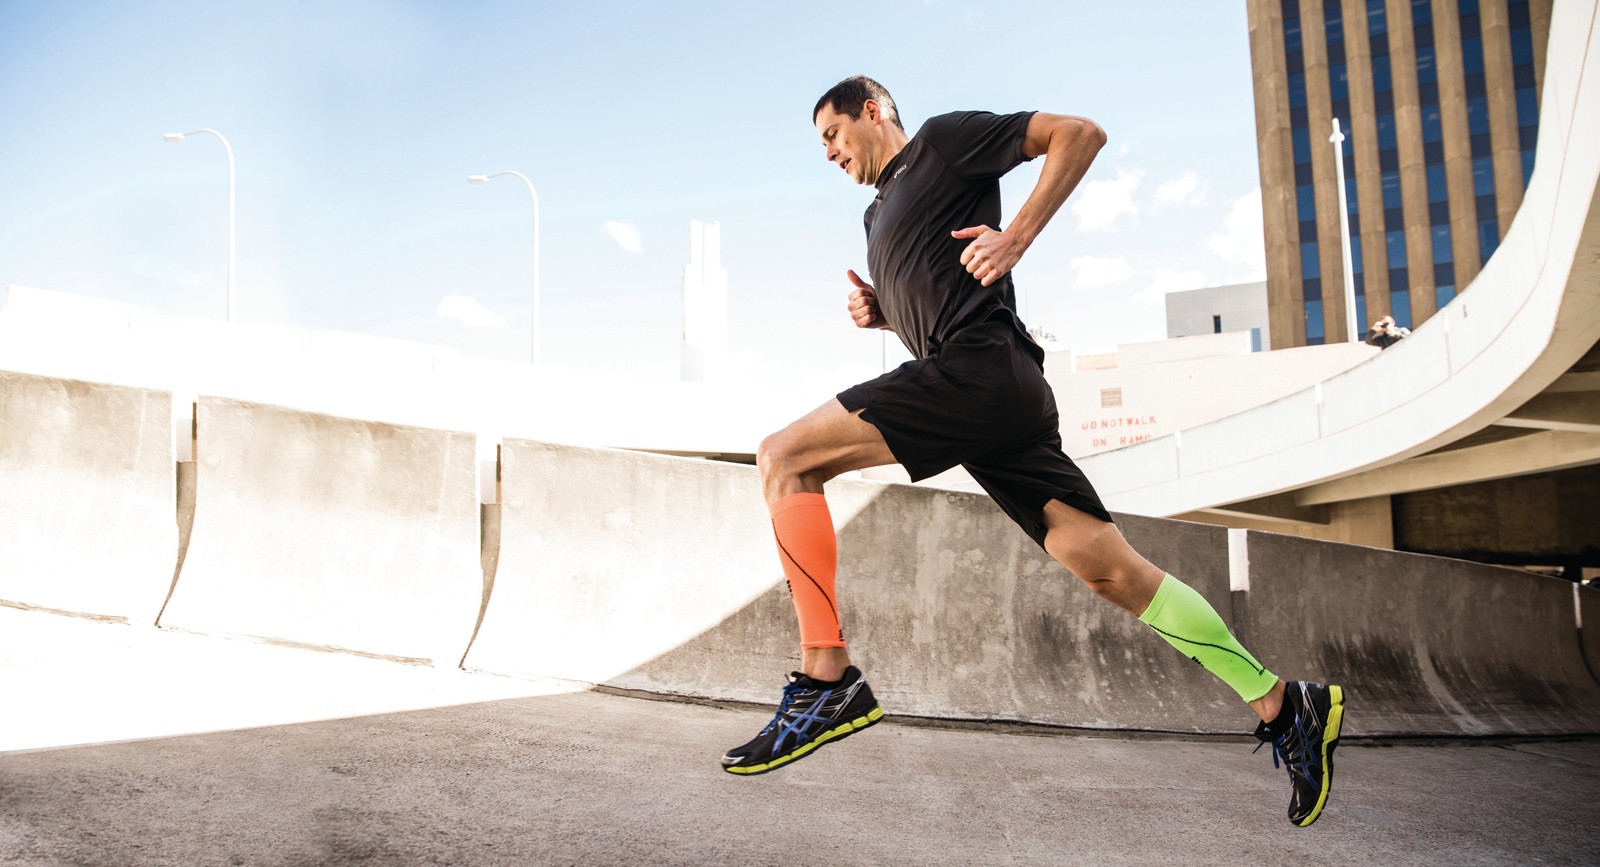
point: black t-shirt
(947, 177)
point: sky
(355, 123)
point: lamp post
(481, 179)
(1351, 326)
(180, 136)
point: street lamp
(1351, 326)
(179, 136)
(482, 179)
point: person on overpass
(975, 395)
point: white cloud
(469, 312)
(1186, 189)
(1242, 240)
(1099, 204)
(1127, 147)
(626, 236)
(1094, 272)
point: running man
(974, 395)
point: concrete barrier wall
(659, 574)
(1425, 645)
(87, 497)
(608, 559)
(331, 532)
(1588, 602)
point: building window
(1395, 241)
(1527, 107)
(1438, 188)
(1314, 331)
(1443, 294)
(1478, 115)
(1297, 90)
(1482, 176)
(1427, 70)
(1377, 18)
(1216, 324)
(1309, 266)
(1301, 139)
(1445, 274)
(1488, 237)
(1400, 308)
(1381, 79)
(1421, 13)
(1432, 129)
(1386, 133)
(1522, 46)
(1472, 55)
(1305, 202)
(1442, 250)
(1391, 189)
(1339, 82)
(1110, 397)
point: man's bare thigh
(820, 445)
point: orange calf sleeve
(810, 555)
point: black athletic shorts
(981, 401)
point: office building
(1439, 103)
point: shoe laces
(1293, 748)
(790, 690)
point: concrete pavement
(532, 773)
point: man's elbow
(1089, 134)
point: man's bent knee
(784, 468)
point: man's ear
(871, 109)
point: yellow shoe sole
(839, 731)
(1330, 740)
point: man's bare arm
(1068, 145)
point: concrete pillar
(1275, 152)
(1413, 164)
(1319, 105)
(1539, 23)
(1495, 24)
(1457, 140)
(1367, 178)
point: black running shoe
(811, 714)
(1309, 733)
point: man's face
(854, 144)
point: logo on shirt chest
(900, 171)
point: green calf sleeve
(1188, 622)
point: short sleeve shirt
(947, 177)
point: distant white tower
(705, 305)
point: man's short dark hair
(849, 96)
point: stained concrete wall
(1424, 645)
(659, 574)
(331, 532)
(87, 491)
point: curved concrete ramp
(331, 532)
(87, 497)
